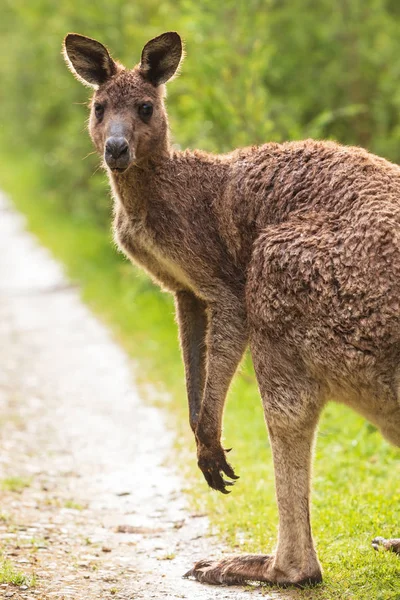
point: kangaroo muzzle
(116, 153)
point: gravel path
(92, 455)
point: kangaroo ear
(161, 57)
(88, 60)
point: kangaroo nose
(116, 146)
(116, 153)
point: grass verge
(355, 495)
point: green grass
(9, 574)
(14, 484)
(355, 494)
(71, 504)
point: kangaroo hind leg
(292, 408)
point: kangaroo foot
(213, 464)
(244, 569)
(230, 571)
(391, 545)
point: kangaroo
(291, 249)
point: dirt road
(81, 454)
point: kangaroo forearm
(219, 376)
(226, 343)
(192, 321)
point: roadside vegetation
(14, 484)
(255, 71)
(9, 574)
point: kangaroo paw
(213, 464)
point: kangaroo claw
(213, 464)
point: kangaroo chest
(165, 262)
(161, 262)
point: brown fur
(291, 248)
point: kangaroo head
(128, 122)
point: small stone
(138, 530)
(106, 549)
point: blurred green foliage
(256, 70)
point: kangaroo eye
(145, 111)
(99, 111)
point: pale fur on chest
(137, 243)
(168, 265)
